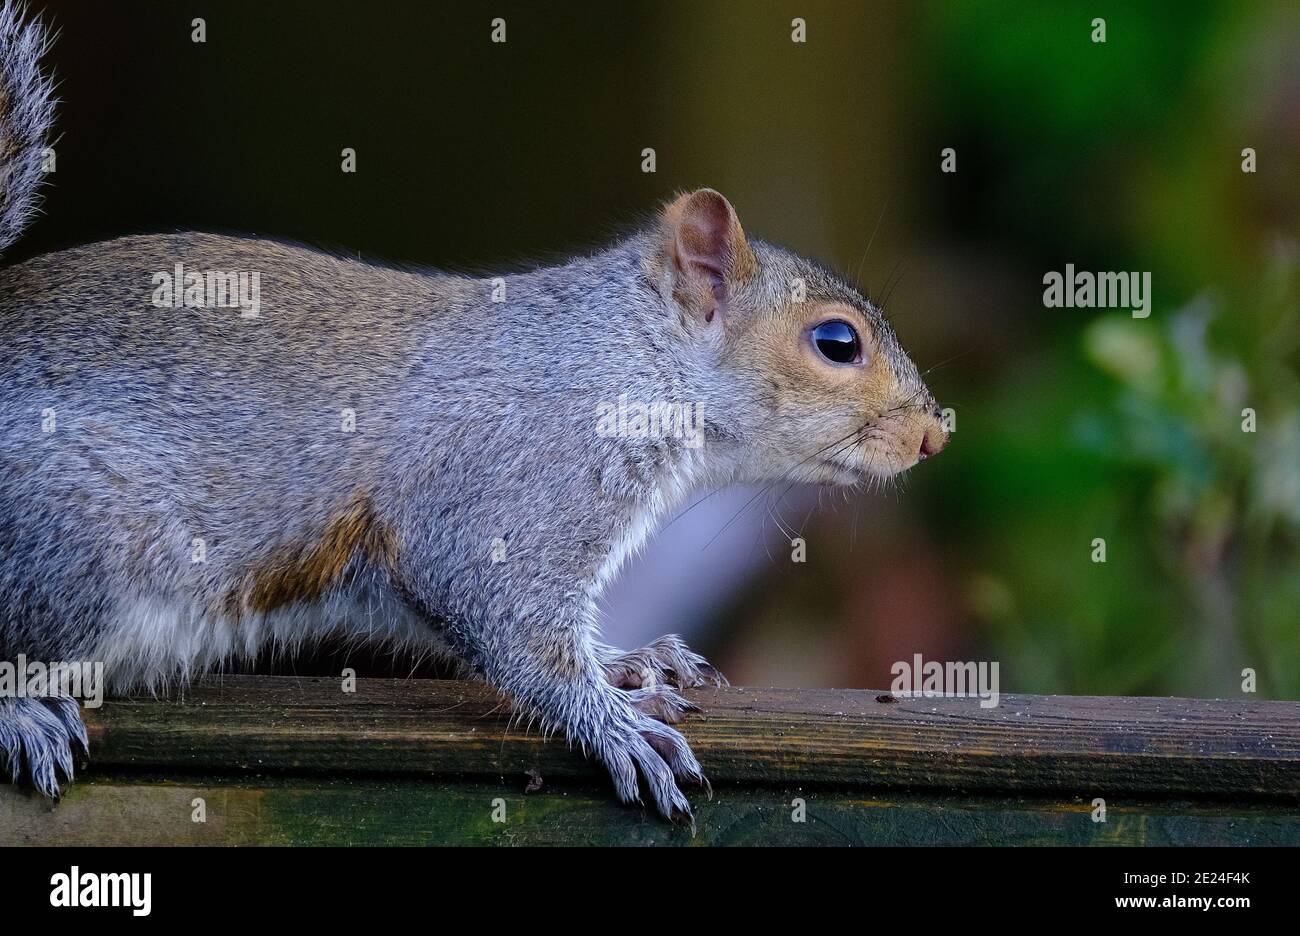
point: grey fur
(493, 514)
(26, 115)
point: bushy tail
(26, 113)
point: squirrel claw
(650, 753)
(661, 702)
(666, 660)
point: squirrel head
(806, 380)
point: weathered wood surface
(133, 809)
(278, 760)
(785, 739)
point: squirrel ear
(708, 253)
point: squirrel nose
(932, 442)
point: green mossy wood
(282, 760)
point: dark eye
(837, 341)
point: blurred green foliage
(1131, 430)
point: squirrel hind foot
(39, 741)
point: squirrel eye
(836, 341)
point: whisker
(857, 277)
(768, 487)
(895, 277)
(955, 357)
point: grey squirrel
(408, 458)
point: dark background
(1072, 424)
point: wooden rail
(282, 759)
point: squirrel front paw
(666, 660)
(645, 748)
(39, 739)
(661, 702)
(624, 729)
